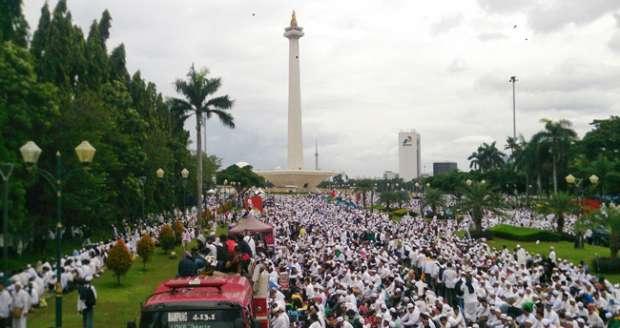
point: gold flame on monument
(293, 20)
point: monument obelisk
(295, 176)
(295, 143)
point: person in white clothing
(552, 256)
(279, 318)
(5, 305)
(20, 306)
(411, 317)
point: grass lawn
(115, 304)
(563, 249)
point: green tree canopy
(559, 204)
(244, 177)
(479, 198)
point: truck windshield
(212, 318)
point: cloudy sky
(372, 68)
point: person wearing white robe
(21, 300)
(280, 318)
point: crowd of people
(338, 266)
(335, 265)
(24, 291)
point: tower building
(409, 164)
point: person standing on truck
(245, 252)
(87, 298)
(187, 267)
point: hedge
(509, 232)
(606, 265)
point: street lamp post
(142, 180)
(513, 80)
(160, 173)
(5, 171)
(30, 154)
(184, 175)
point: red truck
(225, 301)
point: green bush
(119, 260)
(167, 238)
(178, 228)
(606, 265)
(509, 232)
(146, 246)
(398, 214)
(481, 234)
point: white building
(409, 165)
(389, 175)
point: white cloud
(473, 140)
(490, 36)
(458, 65)
(552, 15)
(446, 23)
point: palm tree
(474, 161)
(364, 186)
(486, 157)
(536, 156)
(610, 217)
(197, 90)
(434, 198)
(387, 198)
(478, 198)
(559, 204)
(493, 158)
(558, 136)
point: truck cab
(225, 301)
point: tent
(253, 225)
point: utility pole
(316, 155)
(513, 79)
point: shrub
(526, 234)
(480, 234)
(178, 228)
(167, 238)
(146, 246)
(398, 214)
(606, 265)
(226, 207)
(119, 260)
(206, 219)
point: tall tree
(558, 136)
(478, 198)
(197, 90)
(434, 199)
(40, 38)
(96, 65)
(559, 204)
(105, 23)
(486, 157)
(603, 139)
(118, 64)
(27, 110)
(13, 25)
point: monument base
(296, 179)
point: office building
(409, 155)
